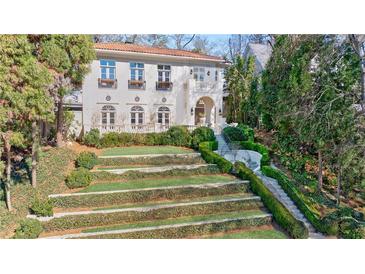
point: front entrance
(205, 112)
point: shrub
(80, 177)
(86, 160)
(178, 136)
(282, 216)
(92, 138)
(232, 134)
(263, 150)
(148, 195)
(327, 227)
(202, 134)
(248, 132)
(28, 229)
(211, 157)
(42, 207)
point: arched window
(137, 115)
(108, 115)
(163, 116)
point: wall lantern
(220, 111)
(192, 111)
(191, 71)
(208, 73)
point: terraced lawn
(252, 234)
(160, 182)
(200, 199)
(231, 215)
(144, 150)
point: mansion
(133, 88)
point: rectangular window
(104, 119)
(216, 75)
(133, 118)
(137, 71)
(199, 74)
(164, 72)
(107, 68)
(159, 118)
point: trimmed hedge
(80, 177)
(28, 229)
(282, 216)
(154, 161)
(299, 200)
(211, 157)
(248, 132)
(119, 198)
(134, 174)
(263, 150)
(124, 217)
(42, 207)
(86, 160)
(202, 134)
(188, 231)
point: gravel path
(253, 162)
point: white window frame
(108, 115)
(164, 71)
(137, 69)
(165, 114)
(137, 114)
(108, 68)
(199, 74)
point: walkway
(251, 159)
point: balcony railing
(107, 83)
(202, 86)
(136, 84)
(165, 86)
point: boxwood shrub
(80, 177)
(28, 229)
(92, 138)
(119, 198)
(86, 160)
(42, 207)
(263, 150)
(211, 157)
(189, 230)
(124, 217)
(300, 200)
(232, 134)
(202, 134)
(282, 216)
(248, 132)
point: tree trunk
(35, 142)
(7, 147)
(320, 171)
(339, 178)
(59, 127)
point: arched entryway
(205, 112)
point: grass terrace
(251, 234)
(159, 182)
(144, 150)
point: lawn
(252, 234)
(159, 182)
(144, 150)
(246, 213)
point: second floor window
(199, 74)
(107, 68)
(137, 71)
(164, 73)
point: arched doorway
(205, 112)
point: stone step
(179, 155)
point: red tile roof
(154, 50)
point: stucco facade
(186, 101)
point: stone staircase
(272, 184)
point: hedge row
(119, 198)
(157, 161)
(211, 157)
(189, 230)
(263, 150)
(133, 174)
(176, 136)
(124, 217)
(282, 216)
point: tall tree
(67, 57)
(201, 44)
(181, 41)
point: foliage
(263, 150)
(232, 134)
(42, 207)
(28, 229)
(121, 217)
(80, 177)
(86, 160)
(282, 216)
(145, 196)
(92, 138)
(248, 132)
(213, 158)
(178, 136)
(202, 134)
